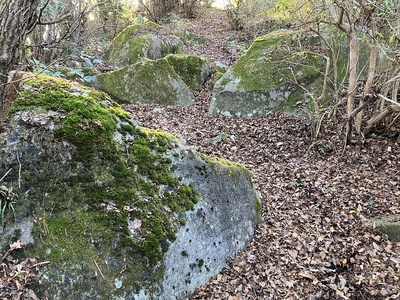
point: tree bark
(353, 61)
(16, 18)
(380, 116)
(373, 56)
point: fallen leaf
(16, 245)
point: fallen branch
(395, 107)
(4, 176)
(388, 100)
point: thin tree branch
(388, 100)
(66, 16)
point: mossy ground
(118, 201)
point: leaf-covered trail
(315, 240)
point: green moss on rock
(269, 61)
(265, 77)
(107, 203)
(220, 164)
(391, 226)
(193, 70)
(148, 81)
(139, 41)
(89, 116)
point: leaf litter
(316, 239)
(17, 275)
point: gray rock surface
(141, 41)
(266, 77)
(148, 81)
(117, 211)
(215, 229)
(390, 225)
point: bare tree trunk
(351, 33)
(16, 17)
(373, 55)
(353, 61)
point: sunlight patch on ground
(220, 3)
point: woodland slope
(316, 239)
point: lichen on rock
(147, 81)
(194, 70)
(106, 203)
(141, 41)
(266, 77)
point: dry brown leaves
(17, 275)
(315, 240)
(217, 42)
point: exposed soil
(316, 239)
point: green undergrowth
(118, 199)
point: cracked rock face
(118, 211)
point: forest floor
(316, 239)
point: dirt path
(315, 240)
(215, 40)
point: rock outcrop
(151, 71)
(147, 81)
(116, 211)
(389, 225)
(266, 77)
(141, 41)
(194, 70)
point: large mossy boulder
(266, 77)
(148, 81)
(194, 70)
(138, 41)
(333, 38)
(115, 211)
(389, 225)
